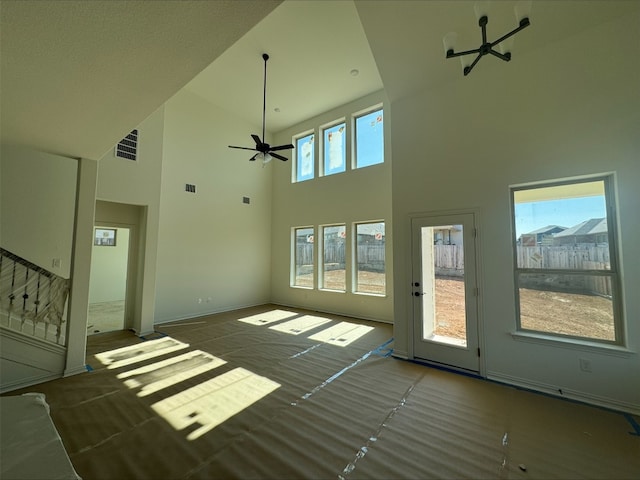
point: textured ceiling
(76, 76)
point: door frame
(412, 330)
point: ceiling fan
(265, 151)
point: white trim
(575, 344)
(33, 341)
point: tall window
(369, 137)
(333, 257)
(566, 272)
(303, 257)
(370, 275)
(305, 158)
(335, 149)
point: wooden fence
(449, 261)
(574, 257)
(370, 257)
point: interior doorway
(444, 289)
(108, 281)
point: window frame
(295, 163)
(294, 258)
(613, 273)
(323, 146)
(322, 260)
(355, 268)
(354, 118)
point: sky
(565, 213)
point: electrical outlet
(585, 365)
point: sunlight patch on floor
(268, 317)
(159, 375)
(212, 402)
(300, 325)
(121, 357)
(342, 334)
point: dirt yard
(564, 313)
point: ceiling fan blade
(279, 157)
(281, 147)
(243, 148)
(256, 139)
(252, 159)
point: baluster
(12, 295)
(25, 296)
(37, 303)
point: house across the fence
(593, 230)
(541, 236)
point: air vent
(189, 187)
(128, 146)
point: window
(333, 257)
(370, 276)
(565, 260)
(305, 158)
(335, 149)
(369, 135)
(303, 257)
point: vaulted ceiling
(76, 75)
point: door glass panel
(443, 286)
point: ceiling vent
(128, 146)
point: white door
(444, 290)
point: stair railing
(32, 296)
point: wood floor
(277, 393)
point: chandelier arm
(451, 53)
(467, 70)
(483, 26)
(523, 24)
(506, 57)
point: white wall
(569, 109)
(37, 207)
(138, 183)
(353, 196)
(213, 250)
(109, 269)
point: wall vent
(246, 200)
(128, 146)
(189, 187)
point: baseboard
(28, 382)
(564, 393)
(195, 316)
(329, 312)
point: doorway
(444, 290)
(108, 281)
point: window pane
(333, 262)
(335, 149)
(369, 139)
(370, 258)
(562, 227)
(304, 257)
(305, 158)
(576, 305)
